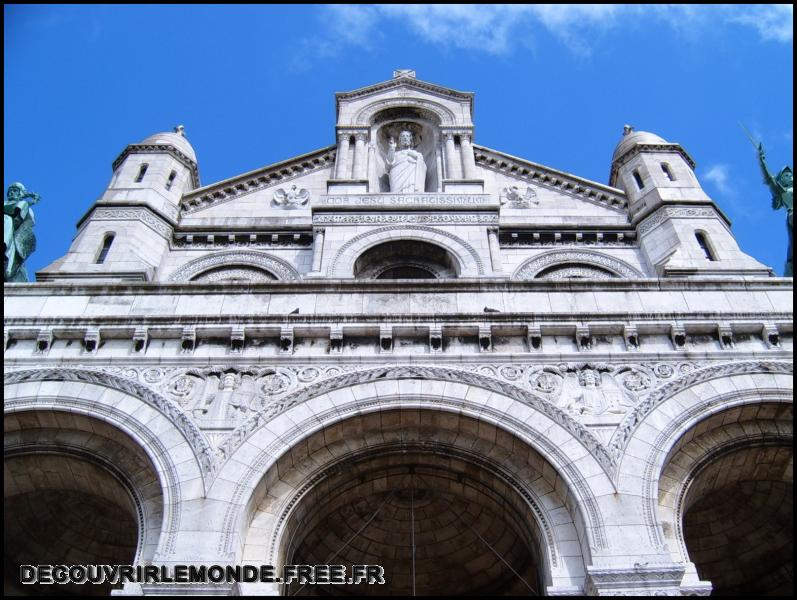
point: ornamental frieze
(433, 219)
(239, 398)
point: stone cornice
(574, 186)
(329, 285)
(129, 212)
(424, 86)
(161, 149)
(228, 189)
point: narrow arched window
(667, 171)
(141, 172)
(638, 178)
(106, 246)
(702, 241)
(170, 181)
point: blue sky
(255, 85)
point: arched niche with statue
(411, 163)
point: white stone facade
(562, 385)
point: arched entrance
(77, 491)
(726, 498)
(447, 504)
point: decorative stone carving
(674, 212)
(664, 371)
(419, 200)
(689, 377)
(234, 274)
(636, 382)
(445, 219)
(293, 198)
(280, 268)
(512, 197)
(182, 387)
(173, 412)
(335, 379)
(567, 272)
(144, 215)
(533, 266)
(274, 384)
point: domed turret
(127, 233)
(681, 231)
(652, 171)
(174, 138)
(633, 138)
(164, 163)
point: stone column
(468, 160)
(342, 159)
(495, 249)
(451, 158)
(318, 249)
(359, 156)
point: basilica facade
(405, 349)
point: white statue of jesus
(406, 166)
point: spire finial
(403, 73)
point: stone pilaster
(468, 160)
(342, 160)
(359, 155)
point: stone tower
(410, 350)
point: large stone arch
(648, 434)
(170, 441)
(600, 262)
(444, 438)
(365, 115)
(261, 448)
(746, 448)
(470, 263)
(253, 261)
(78, 487)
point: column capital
(360, 136)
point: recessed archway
(437, 523)
(77, 491)
(61, 509)
(482, 510)
(405, 259)
(726, 500)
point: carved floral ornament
(251, 396)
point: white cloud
(498, 28)
(719, 175)
(772, 21)
(501, 28)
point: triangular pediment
(527, 172)
(285, 172)
(408, 83)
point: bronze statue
(18, 237)
(782, 197)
